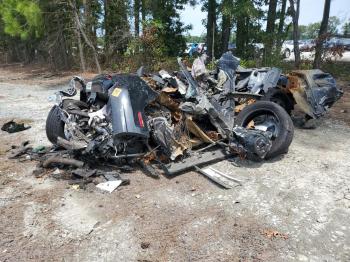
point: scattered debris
(145, 245)
(13, 127)
(218, 177)
(109, 186)
(21, 150)
(175, 121)
(75, 187)
(269, 233)
(165, 121)
(55, 160)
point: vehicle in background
(287, 48)
(345, 43)
(307, 45)
(195, 49)
(331, 43)
(232, 47)
(202, 48)
(191, 48)
(335, 42)
(259, 47)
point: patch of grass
(339, 70)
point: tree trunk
(322, 35)
(211, 27)
(143, 12)
(280, 33)
(295, 17)
(137, 17)
(270, 29)
(81, 51)
(226, 26)
(87, 40)
(105, 25)
(240, 36)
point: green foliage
(21, 18)
(195, 39)
(165, 13)
(310, 31)
(346, 28)
(248, 17)
(337, 69)
(248, 63)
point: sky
(310, 11)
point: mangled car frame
(170, 120)
(313, 91)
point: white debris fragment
(101, 114)
(109, 186)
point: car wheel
(54, 124)
(280, 98)
(269, 116)
(286, 53)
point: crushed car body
(172, 120)
(312, 90)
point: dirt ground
(295, 208)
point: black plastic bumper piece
(197, 159)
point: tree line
(91, 33)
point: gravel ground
(295, 208)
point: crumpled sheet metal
(166, 101)
(197, 131)
(314, 91)
(297, 87)
(163, 133)
(198, 67)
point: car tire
(54, 124)
(280, 98)
(286, 53)
(281, 143)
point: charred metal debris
(178, 121)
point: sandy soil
(295, 208)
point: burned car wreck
(173, 121)
(313, 91)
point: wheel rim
(264, 121)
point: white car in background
(287, 48)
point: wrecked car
(166, 119)
(313, 91)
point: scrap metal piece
(218, 177)
(271, 78)
(254, 143)
(148, 169)
(198, 66)
(109, 186)
(158, 80)
(84, 173)
(163, 134)
(71, 145)
(213, 176)
(314, 91)
(61, 160)
(21, 150)
(195, 160)
(225, 176)
(193, 90)
(195, 130)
